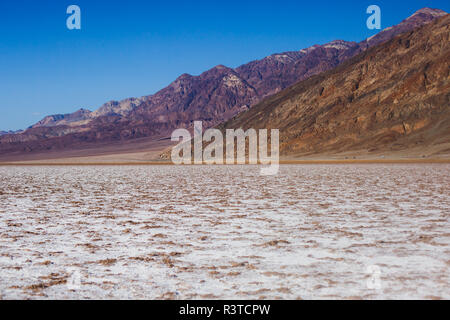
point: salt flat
(314, 231)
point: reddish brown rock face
(393, 97)
(221, 93)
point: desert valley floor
(313, 231)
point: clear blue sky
(133, 48)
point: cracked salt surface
(193, 232)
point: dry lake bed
(369, 231)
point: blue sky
(134, 48)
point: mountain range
(223, 93)
(391, 98)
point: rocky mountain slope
(214, 96)
(392, 97)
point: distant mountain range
(393, 97)
(10, 132)
(215, 96)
